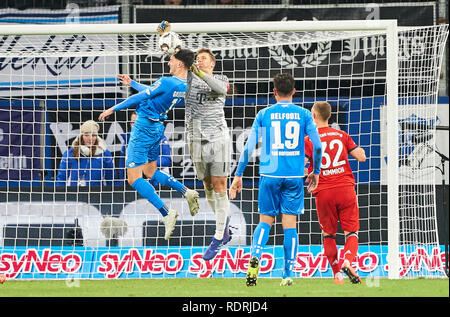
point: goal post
(381, 80)
(392, 149)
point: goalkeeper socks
(260, 238)
(222, 206)
(209, 192)
(350, 247)
(330, 251)
(290, 244)
(146, 190)
(169, 181)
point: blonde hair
(207, 51)
(79, 141)
(323, 110)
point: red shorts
(337, 204)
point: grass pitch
(225, 288)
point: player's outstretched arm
(127, 103)
(127, 81)
(235, 187)
(105, 114)
(124, 79)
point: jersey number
(291, 135)
(326, 156)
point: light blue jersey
(153, 103)
(157, 100)
(282, 128)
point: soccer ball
(170, 43)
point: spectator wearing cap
(87, 162)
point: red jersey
(335, 169)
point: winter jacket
(96, 170)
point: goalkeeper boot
(192, 199)
(286, 282)
(338, 278)
(213, 249)
(169, 223)
(227, 232)
(350, 272)
(252, 271)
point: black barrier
(407, 15)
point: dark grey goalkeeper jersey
(204, 102)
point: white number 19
(291, 134)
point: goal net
(64, 216)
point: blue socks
(146, 190)
(290, 244)
(260, 238)
(169, 181)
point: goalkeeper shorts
(337, 204)
(211, 158)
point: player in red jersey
(335, 195)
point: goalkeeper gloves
(163, 27)
(197, 71)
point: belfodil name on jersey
(285, 115)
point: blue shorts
(144, 144)
(283, 195)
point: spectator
(163, 162)
(87, 161)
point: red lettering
(208, 269)
(146, 267)
(368, 261)
(197, 263)
(267, 262)
(157, 263)
(71, 263)
(4, 262)
(177, 260)
(54, 264)
(109, 262)
(243, 262)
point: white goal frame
(389, 27)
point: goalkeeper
(153, 103)
(209, 138)
(209, 141)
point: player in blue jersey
(282, 128)
(152, 106)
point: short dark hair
(186, 56)
(284, 84)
